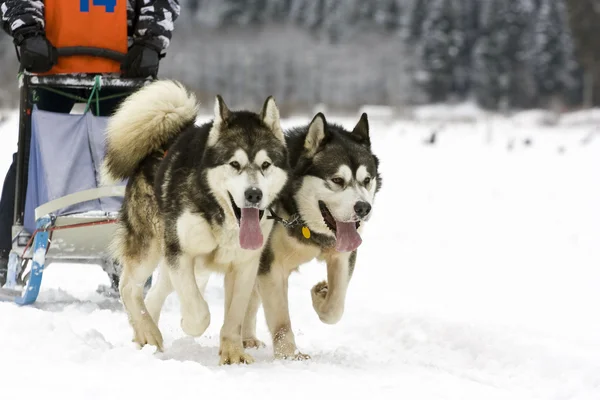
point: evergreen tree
(439, 50)
(552, 56)
(584, 24)
(416, 15)
(500, 55)
(464, 36)
(387, 15)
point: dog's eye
(235, 164)
(338, 181)
(367, 181)
(265, 165)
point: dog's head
(339, 179)
(248, 165)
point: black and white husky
(333, 182)
(195, 200)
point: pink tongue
(251, 237)
(347, 238)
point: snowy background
(478, 278)
(502, 54)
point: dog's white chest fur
(218, 245)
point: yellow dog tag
(306, 232)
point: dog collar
(293, 221)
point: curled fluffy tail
(145, 121)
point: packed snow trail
(478, 278)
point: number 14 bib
(87, 23)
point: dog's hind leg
(195, 315)
(249, 328)
(239, 284)
(136, 271)
(329, 297)
(273, 288)
(158, 293)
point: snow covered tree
(387, 15)
(584, 23)
(553, 62)
(500, 56)
(416, 15)
(464, 37)
(438, 49)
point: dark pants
(53, 102)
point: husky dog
(195, 199)
(333, 182)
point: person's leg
(6, 217)
(55, 102)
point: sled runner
(62, 213)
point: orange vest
(90, 23)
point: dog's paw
(295, 356)
(232, 353)
(328, 311)
(194, 326)
(253, 343)
(320, 290)
(319, 295)
(284, 346)
(147, 333)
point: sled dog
(333, 181)
(195, 199)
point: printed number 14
(109, 5)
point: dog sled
(62, 212)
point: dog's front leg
(162, 288)
(239, 284)
(329, 297)
(195, 315)
(273, 288)
(249, 327)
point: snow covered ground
(479, 278)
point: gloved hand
(36, 53)
(141, 61)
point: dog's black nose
(253, 195)
(362, 209)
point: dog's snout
(362, 209)
(253, 195)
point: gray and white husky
(195, 200)
(333, 182)
(329, 197)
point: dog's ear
(221, 114)
(221, 110)
(360, 133)
(316, 134)
(270, 116)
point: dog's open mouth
(328, 218)
(251, 237)
(347, 237)
(238, 211)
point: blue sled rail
(30, 293)
(46, 222)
